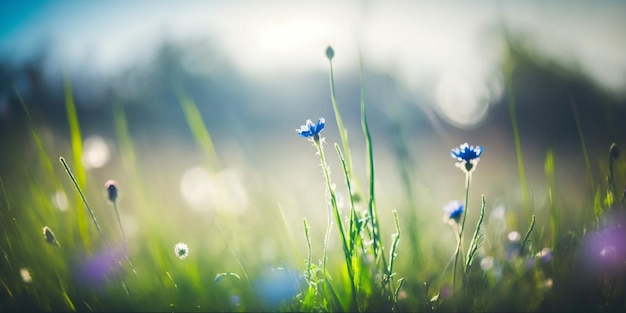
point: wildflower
(49, 235)
(181, 250)
(111, 187)
(452, 212)
(311, 130)
(468, 156)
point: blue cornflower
(468, 156)
(453, 211)
(311, 130)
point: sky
(452, 48)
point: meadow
(132, 237)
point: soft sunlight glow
(59, 200)
(233, 197)
(95, 152)
(461, 101)
(129, 222)
(197, 189)
(223, 192)
(486, 263)
(291, 39)
(514, 236)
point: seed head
(330, 53)
(49, 235)
(111, 187)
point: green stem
(353, 217)
(93, 217)
(335, 209)
(474, 244)
(309, 255)
(82, 196)
(119, 221)
(459, 245)
(377, 245)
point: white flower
(181, 250)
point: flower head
(181, 250)
(111, 187)
(468, 156)
(49, 235)
(452, 212)
(310, 130)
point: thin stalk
(82, 196)
(474, 244)
(459, 245)
(119, 221)
(307, 235)
(352, 230)
(343, 133)
(530, 230)
(335, 209)
(93, 217)
(377, 244)
(394, 247)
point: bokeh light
(96, 152)
(198, 189)
(59, 200)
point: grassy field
(123, 239)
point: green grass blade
(475, 243)
(77, 153)
(198, 128)
(394, 246)
(343, 133)
(550, 170)
(126, 146)
(307, 235)
(74, 180)
(527, 236)
(352, 228)
(377, 243)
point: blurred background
(434, 76)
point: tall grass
(253, 261)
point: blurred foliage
(255, 261)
